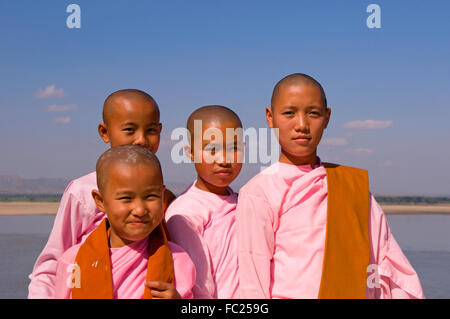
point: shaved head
(130, 155)
(296, 79)
(122, 97)
(212, 113)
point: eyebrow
(288, 107)
(128, 192)
(315, 106)
(234, 143)
(296, 107)
(134, 124)
(125, 192)
(212, 144)
(129, 123)
(153, 188)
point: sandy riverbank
(43, 208)
(416, 209)
(28, 208)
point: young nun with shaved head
(130, 117)
(309, 229)
(127, 256)
(202, 219)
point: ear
(103, 132)
(159, 128)
(188, 151)
(269, 117)
(168, 196)
(164, 197)
(327, 116)
(98, 199)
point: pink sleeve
(185, 275)
(189, 235)
(66, 232)
(391, 275)
(66, 274)
(255, 237)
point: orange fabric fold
(347, 246)
(93, 259)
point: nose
(224, 158)
(140, 209)
(140, 139)
(302, 123)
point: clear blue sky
(192, 53)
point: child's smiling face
(132, 201)
(132, 122)
(300, 115)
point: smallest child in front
(127, 256)
(202, 219)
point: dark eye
(128, 130)
(232, 148)
(125, 198)
(316, 113)
(152, 196)
(288, 113)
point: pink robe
(76, 218)
(203, 223)
(281, 223)
(129, 270)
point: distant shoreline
(50, 208)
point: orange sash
(93, 259)
(347, 247)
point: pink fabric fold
(203, 223)
(281, 225)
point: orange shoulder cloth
(93, 259)
(347, 247)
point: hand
(162, 290)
